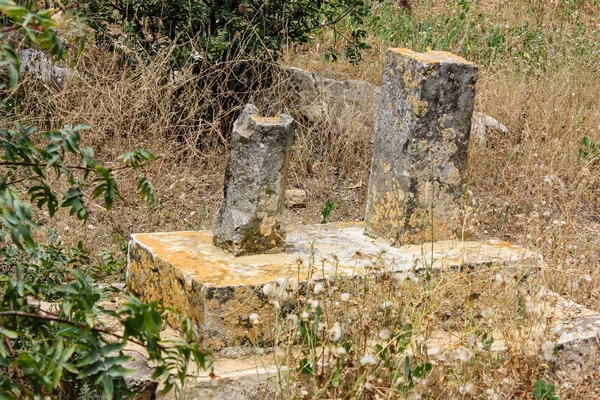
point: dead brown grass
(530, 186)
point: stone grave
(421, 145)
(218, 278)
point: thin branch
(12, 352)
(66, 321)
(42, 165)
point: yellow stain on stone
(419, 106)
(385, 166)
(409, 80)
(430, 56)
(264, 120)
(219, 291)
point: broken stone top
(248, 221)
(249, 121)
(431, 56)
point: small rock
(120, 286)
(295, 198)
(483, 125)
(141, 383)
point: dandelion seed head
(268, 289)
(318, 288)
(368, 360)
(385, 334)
(335, 333)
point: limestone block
(219, 291)
(421, 147)
(248, 221)
(295, 198)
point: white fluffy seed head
(280, 282)
(318, 288)
(345, 297)
(335, 333)
(463, 354)
(268, 289)
(292, 284)
(386, 304)
(253, 318)
(385, 334)
(368, 360)
(384, 246)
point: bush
(52, 338)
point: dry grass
(530, 186)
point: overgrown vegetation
(141, 86)
(53, 339)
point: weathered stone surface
(248, 221)
(295, 198)
(421, 147)
(319, 99)
(350, 103)
(219, 291)
(41, 66)
(250, 383)
(141, 383)
(483, 125)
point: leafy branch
(23, 158)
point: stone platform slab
(219, 291)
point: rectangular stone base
(219, 292)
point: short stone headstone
(249, 219)
(421, 147)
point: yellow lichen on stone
(430, 56)
(419, 106)
(267, 120)
(409, 81)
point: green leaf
(544, 391)
(91, 358)
(306, 367)
(118, 371)
(8, 333)
(423, 370)
(13, 74)
(55, 136)
(91, 370)
(335, 381)
(112, 348)
(108, 387)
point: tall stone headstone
(421, 147)
(249, 219)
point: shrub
(61, 348)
